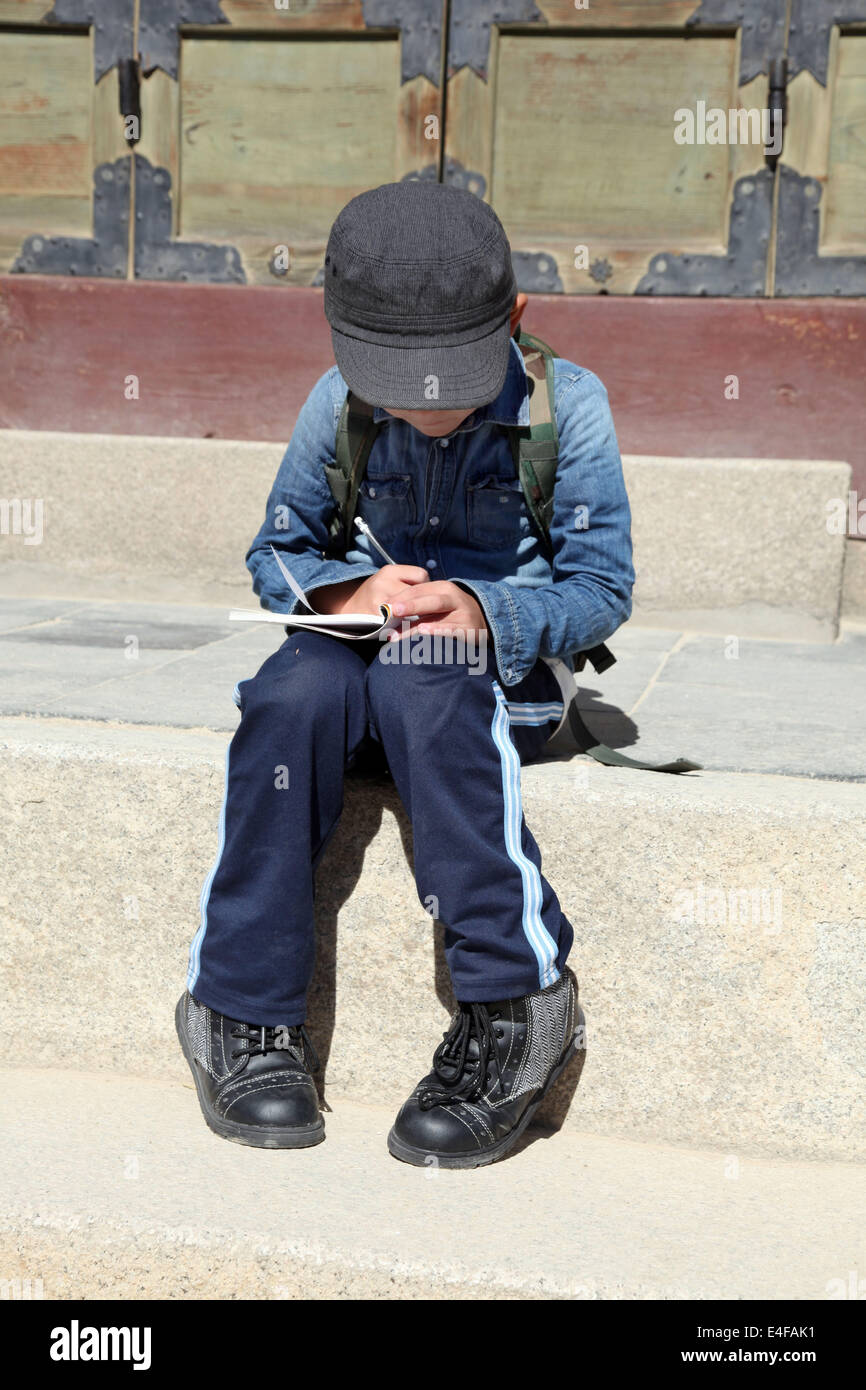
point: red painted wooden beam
(237, 362)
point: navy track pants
(454, 743)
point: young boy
(421, 299)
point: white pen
(362, 526)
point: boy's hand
(441, 607)
(367, 595)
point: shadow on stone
(441, 973)
(337, 875)
(607, 722)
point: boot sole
(420, 1158)
(254, 1136)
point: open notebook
(353, 626)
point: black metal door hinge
(777, 105)
(129, 99)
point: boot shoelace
(260, 1040)
(460, 1076)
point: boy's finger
(408, 574)
(404, 594)
(394, 593)
(420, 602)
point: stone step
(114, 1188)
(720, 933)
(722, 545)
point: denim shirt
(455, 507)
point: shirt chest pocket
(496, 513)
(387, 503)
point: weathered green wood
(160, 131)
(275, 138)
(844, 225)
(825, 140)
(586, 156)
(601, 143)
(46, 148)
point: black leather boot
(253, 1083)
(489, 1076)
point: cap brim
(425, 378)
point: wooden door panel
(257, 125)
(821, 233)
(582, 165)
(46, 154)
(844, 228)
(276, 138)
(275, 121)
(603, 164)
(826, 140)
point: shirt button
(434, 521)
(431, 565)
(510, 674)
(372, 492)
(443, 443)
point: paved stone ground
(756, 705)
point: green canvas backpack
(535, 450)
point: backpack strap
(572, 732)
(536, 450)
(611, 757)
(356, 432)
(536, 454)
